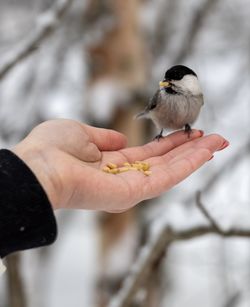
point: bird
(177, 102)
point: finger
(212, 142)
(156, 148)
(90, 153)
(166, 175)
(106, 139)
(164, 178)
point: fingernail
(201, 132)
(224, 145)
(211, 158)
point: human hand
(67, 157)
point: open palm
(75, 154)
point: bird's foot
(188, 130)
(159, 136)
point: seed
(123, 169)
(114, 171)
(106, 169)
(140, 166)
(132, 168)
(126, 164)
(145, 166)
(147, 173)
(111, 165)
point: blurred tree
(119, 57)
(16, 291)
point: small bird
(177, 102)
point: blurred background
(99, 62)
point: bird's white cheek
(190, 83)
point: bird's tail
(141, 115)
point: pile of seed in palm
(140, 166)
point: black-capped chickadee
(177, 102)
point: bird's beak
(164, 84)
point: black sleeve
(26, 216)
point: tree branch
(16, 291)
(206, 213)
(46, 25)
(193, 31)
(162, 34)
(231, 163)
(155, 248)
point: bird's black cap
(178, 72)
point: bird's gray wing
(151, 105)
(153, 101)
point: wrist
(36, 159)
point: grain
(140, 166)
(111, 165)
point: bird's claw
(159, 136)
(188, 130)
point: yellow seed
(139, 165)
(132, 168)
(145, 166)
(106, 169)
(136, 166)
(123, 169)
(142, 165)
(111, 165)
(126, 164)
(147, 173)
(114, 171)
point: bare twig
(46, 25)
(206, 213)
(239, 155)
(193, 31)
(141, 269)
(163, 29)
(233, 300)
(231, 163)
(155, 249)
(16, 293)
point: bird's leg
(159, 136)
(188, 130)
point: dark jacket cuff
(26, 216)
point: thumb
(106, 139)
